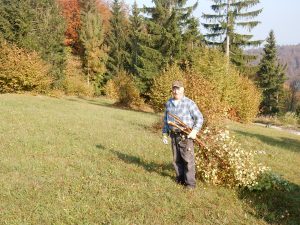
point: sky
(281, 16)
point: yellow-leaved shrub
(238, 95)
(123, 89)
(247, 100)
(204, 94)
(111, 90)
(162, 86)
(75, 82)
(21, 70)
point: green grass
(76, 161)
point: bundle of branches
(221, 160)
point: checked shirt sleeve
(166, 126)
(196, 115)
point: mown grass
(76, 161)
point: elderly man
(182, 145)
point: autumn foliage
(71, 12)
(123, 89)
(21, 70)
(212, 89)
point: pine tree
(144, 60)
(92, 38)
(222, 25)
(270, 77)
(117, 40)
(49, 33)
(170, 25)
(15, 20)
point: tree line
(98, 41)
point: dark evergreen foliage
(144, 61)
(172, 28)
(91, 38)
(223, 24)
(270, 78)
(117, 40)
(38, 26)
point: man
(182, 144)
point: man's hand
(165, 138)
(193, 134)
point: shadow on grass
(275, 206)
(165, 170)
(282, 142)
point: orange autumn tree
(104, 10)
(71, 12)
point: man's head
(177, 90)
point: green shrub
(273, 181)
(22, 71)
(162, 85)
(289, 118)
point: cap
(177, 83)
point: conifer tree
(144, 60)
(49, 31)
(270, 77)
(222, 27)
(167, 23)
(92, 38)
(117, 40)
(38, 26)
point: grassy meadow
(83, 161)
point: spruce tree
(170, 25)
(270, 78)
(144, 60)
(49, 31)
(92, 38)
(117, 40)
(223, 24)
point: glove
(165, 139)
(193, 134)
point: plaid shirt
(186, 110)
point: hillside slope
(75, 161)
(287, 54)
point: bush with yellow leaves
(123, 89)
(239, 96)
(75, 82)
(162, 86)
(204, 94)
(22, 71)
(248, 99)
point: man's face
(177, 92)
